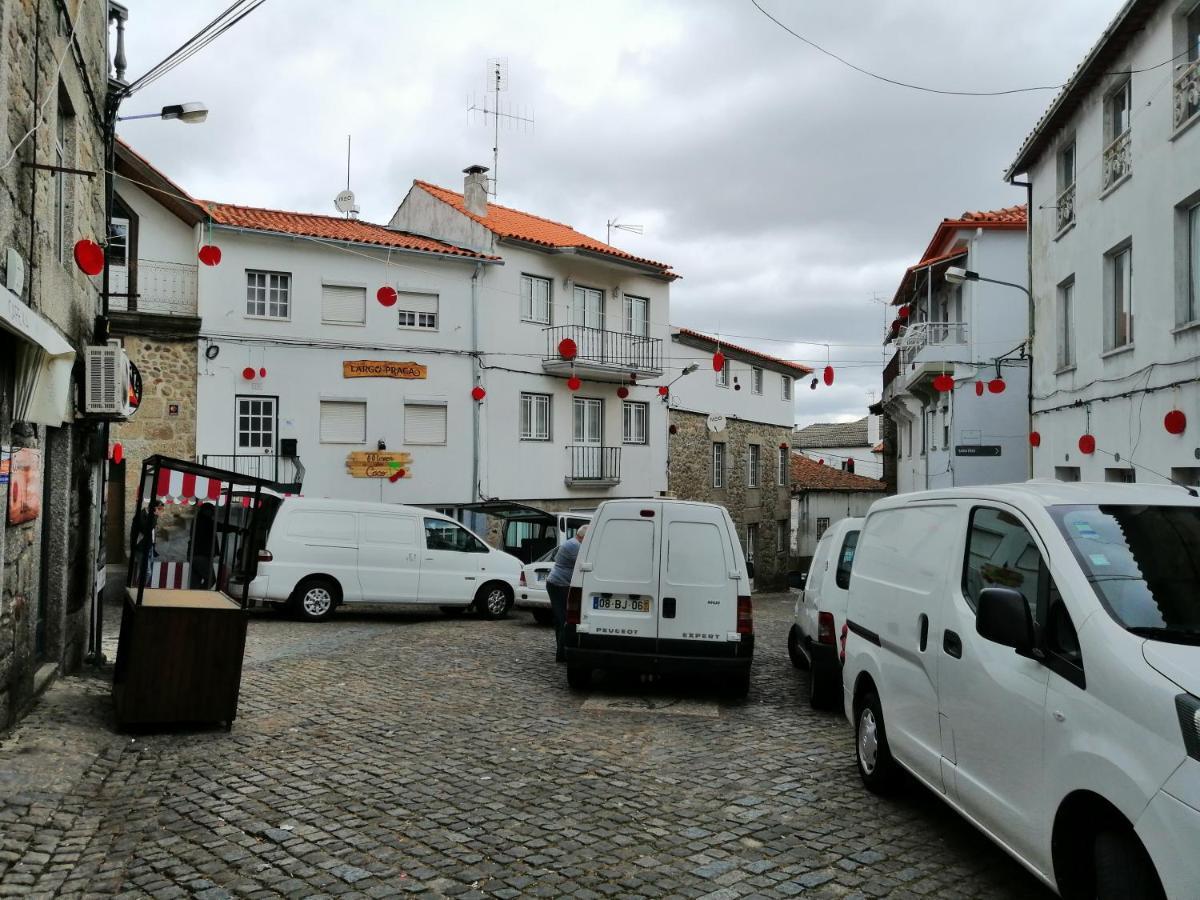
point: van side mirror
(1003, 617)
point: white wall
(834, 505)
(161, 236)
(1166, 175)
(700, 392)
(866, 463)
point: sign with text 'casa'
(382, 368)
(379, 464)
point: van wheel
(799, 660)
(821, 690)
(875, 763)
(1123, 867)
(316, 598)
(579, 678)
(494, 600)
(543, 616)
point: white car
(531, 590)
(1031, 653)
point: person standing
(559, 582)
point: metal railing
(1187, 93)
(1066, 207)
(614, 349)
(916, 338)
(285, 471)
(162, 288)
(1118, 160)
(593, 463)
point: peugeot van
(660, 586)
(319, 554)
(1031, 653)
(813, 641)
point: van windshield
(1142, 562)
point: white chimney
(872, 430)
(475, 189)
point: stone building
(53, 84)
(729, 441)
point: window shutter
(424, 424)
(417, 302)
(343, 422)
(344, 304)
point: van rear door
(699, 581)
(620, 577)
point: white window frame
(723, 375)
(783, 463)
(633, 322)
(277, 283)
(536, 409)
(345, 401)
(720, 463)
(751, 546)
(1125, 92)
(635, 422)
(1064, 315)
(786, 390)
(123, 227)
(529, 311)
(408, 318)
(1190, 295)
(756, 380)
(258, 418)
(1118, 286)
(753, 465)
(821, 528)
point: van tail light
(523, 582)
(745, 616)
(265, 556)
(826, 631)
(574, 605)
(1188, 708)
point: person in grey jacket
(557, 584)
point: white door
(389, 558)
(450, 563)
(587, 454)
(993, 701)
(255, 436)
(620, 576)
(699, 586)
(587, 307)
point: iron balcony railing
(916, 338)
(600, 347)
(287, 472)
(1187, 93)
(162, 288)
(1066, 207)
(590, 463)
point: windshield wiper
(1171, 635)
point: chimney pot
(475, 189)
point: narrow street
(386, 753)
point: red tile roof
(1010, 218)
(810, 475)
(332, 228)
(512, 223)
(725, 345)
(910, 274)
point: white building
(972, 333)
(823, 495)
(1115, 169)
(854, 446)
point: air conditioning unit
(109, 387)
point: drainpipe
(1028, 185)
(476, 373)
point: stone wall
(690, 477)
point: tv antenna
(613, 223)
(512, 117)
(344, 201)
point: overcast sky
(787, 189)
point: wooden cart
(180, 651)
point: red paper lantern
(663, 390)
(248, 373)
(1087, 444)
(821, 461)
(574, 382)
(1035, 439)
(673, 429)
(903, 313)
(622, 392)
(718, 361)
(783, 446)
(1175, 422)
(386, 295)
(262, 373)
(89, 257)
(979, 389)
(210, 254)
(118, 453)
(997, 385)
(827, 376)
(568, 349)
(943, 383)
(478, 393)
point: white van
(660, 586)
(320, 553)
(820, 614)
(1031, 653)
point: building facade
(1115, 169)
(855, 446)
(956, 388)
(51, 196)
(729, 441)
(823, 495)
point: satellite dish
(716, 422)
(345, 202)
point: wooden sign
(381, 368)
(379, 464)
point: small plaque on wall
(172, 409)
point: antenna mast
(344, 201)
(613, 223)
(497, 82)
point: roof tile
(831, 434)
(810, 475)
(725, 345)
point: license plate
(622, 604)
(541, 576)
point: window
(756, 380)
(424, 423)
(1065, 317)
(1001, 554)
(535, 417)
(256, 424)
(343, 421)
(1066, 473)
(1118, 324)
(751, 548)
(633, 417)
(908, 440)
(268, 294)
(945, 428)
(1118, 163)
(443, 535)
(587, 307)
(535, 299)
(343, 304)
(1190, 311)
(1120, 475)
(62, 134)
(846, 560)
(637, 316)
(718, 464)
(1066, 185)
(417, 310)
(1187, 103)
(782, 465)
(753, 465)
(723, 375)
(783, 537)
(786, 382)
(1189, 475)
(1117, 111)
(117, 251)
(822, 526)
(697, 555)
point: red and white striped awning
(178, 487)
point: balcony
(602, 355)
(892, 370)
(159, 288)
(1066, 207)
(947, 340)
(1118, 161)
(1187, 94)
(287, 472)
(592, 465)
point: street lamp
(192, 113)
(956, 275)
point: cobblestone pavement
(385, 753)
